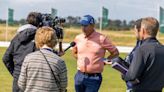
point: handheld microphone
(71, 45)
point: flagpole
(100, 24)
(158, 11)
(158, 18)
(6, 35)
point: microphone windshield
(72, 44)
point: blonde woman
(43, 70)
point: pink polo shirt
(90, 50)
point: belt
(89, 74)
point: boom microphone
(71, 45)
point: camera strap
(56, 80)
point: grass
(10, 33)
(5, 78)
(119, 38)
(111, 78)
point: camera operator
(21, 45)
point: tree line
(72, 21)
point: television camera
(57, 24)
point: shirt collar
(47, 48)
(91, 35)
(149, 39)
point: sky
(118, 9)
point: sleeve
(23, 75)
(8, 58)
(137, 66)
(107, 45)
(129, 57)
(63, 76)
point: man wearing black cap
(89, 51)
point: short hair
(45, 36)
(138, 24)
(151, 25)
(34, 18)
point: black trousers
(15, 86)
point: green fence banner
(10, 16)
(104, 17)
(53, 12)
(161, 20)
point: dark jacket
(147, 66)
(129, 58)
(21, 45)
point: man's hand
(61, 53)
(106, 61)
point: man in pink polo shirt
(89, 51)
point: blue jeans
(129, 85)
(87, 83)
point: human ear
(142, 33)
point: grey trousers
(15, 86)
